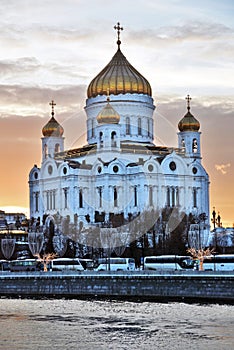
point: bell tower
(53, 140)
(189, 135)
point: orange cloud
(222, 168)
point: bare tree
(200, 254)
(45, 259)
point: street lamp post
(143, 251)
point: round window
(50, 169)
(150, 167)
(194, 170)
(115, 168)
(65, 170)
(99, 169)
(172, 166)
(36, 176)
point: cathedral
(120, 172)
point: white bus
(4, 265)
(61, 264)
(168, 262)
(223, 262)
(116, 264)
(25, 265)
(88, 264)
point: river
(30, 324)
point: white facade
(120, 170)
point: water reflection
(77, 324)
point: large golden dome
(52, 128)
(108, 115)
(118, 77)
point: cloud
(49, 34)
(31, 70)
(34, 100)
(193, 44)
(222, 168)
(194, 54)
(195, 30)
(21, 66)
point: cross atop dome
(188, 98)
(52, 104)
(118, 28)
(52, 128)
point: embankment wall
(200, 285)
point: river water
(28, 324)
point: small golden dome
(189, 122)
(108, 115)
(52, 128)
(119, 77)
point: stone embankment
(194, 285)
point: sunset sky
(53, 49)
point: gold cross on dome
(52, 104)
(188, 98)
(118, 28)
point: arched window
(113, 139)
(100, 196)
(37, 201)
(168, 197)
(177, 197)
(148, 127)
(80, 198)
(92, 128)
(183, 144)
(57, 148)
(152, 127)
(195, 198)
(47, 200)
(54, 199)
(115, 197)
(135, 196)
(65, 198)
(139, 126)
(101, 139)
(128, 130)
(51, 200)
(195, 146)
(150, 195)
(173, 197)
(45, 150)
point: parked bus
(88, 264)
(4, 265)
(168, 262)
(223, 262)
(61, 264)
(25, 265)
(116, 264)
